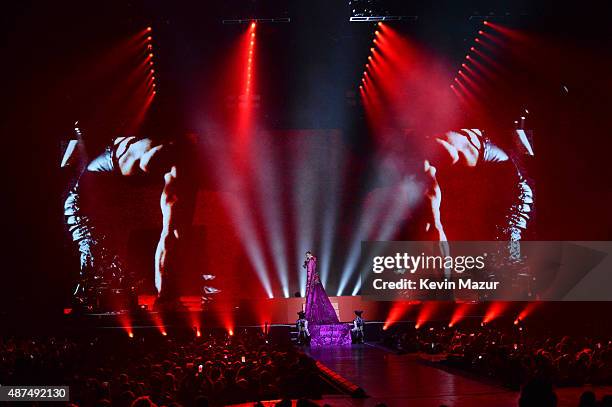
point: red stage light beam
(488, 60)
(158, 323)
(482, 69)
(458, 314)
(471, 72)
(397, 312)
(469, 81)
(126, 324)
(469, 97)
(495, 310)
(508, 32)
(425, 313)
(526, 311)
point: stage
(274, 310)
(412, 380)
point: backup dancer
(302, 327)
(357, 329)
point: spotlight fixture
(370, 19)
(377, 10)
(253, 22)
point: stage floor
(404, 380)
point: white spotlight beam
(367, 215)
(334, 169)
(401, 199)
(304, 196)
(269, 201)
(240, 213)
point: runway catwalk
(407, 380)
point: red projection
(495, 310)
(245, 99)
(426, 313)
(529, 308)
(397, 312)
(405, 87)
(458, 314)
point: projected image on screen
(165, 219)
(213, 190)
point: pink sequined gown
(319, 310)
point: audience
(510, 356)
(154, 370)
(158, 371)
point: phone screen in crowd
(200, 368)
(243, 359)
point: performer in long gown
(319, 310)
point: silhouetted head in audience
(606, 401)
(587, 399)
(538, 393)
